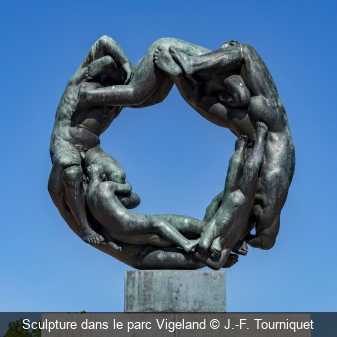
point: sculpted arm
(105, 46)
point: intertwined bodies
(231, 87)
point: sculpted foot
(89, 236)
(112, 243)
(164, 61)
(183, 60)
(261, 130)
(241, 142)
(232, 259)
(103, 65)
(240, 248)
(192, 243)
(114, 246)
(215, 253)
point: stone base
(175, 291)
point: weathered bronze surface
(230, 87)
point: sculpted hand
(216, 247)
(128, 71)
(103, 65)
(207, 237)
(114, 245)
(100, 66)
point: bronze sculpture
(230, 87)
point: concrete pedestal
(175, 291)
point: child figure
(136, 228)
(229, 223)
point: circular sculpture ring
(231, 87)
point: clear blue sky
(174, 159)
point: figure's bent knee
(72, 174)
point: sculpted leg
(213, 207)
(140, 256)
(105, 65)
(74, 197)
(66, 189)
(106, 46)
(171, 234)
(223, 217)
(253, 163)
(224, 59)
(164, 61)
(265, 237)
(191, 228)
(123, 225)
(146, 80)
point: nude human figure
(78, 126)
(201, 88)
(163, 230)
(134, 228)
(147, 79)
(75, 145)
(77, 131)
(229, 224)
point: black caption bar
(170, 324)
